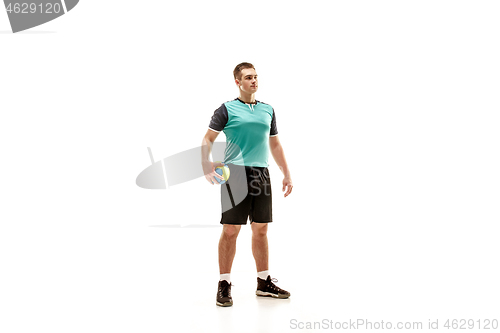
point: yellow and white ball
(224, 172)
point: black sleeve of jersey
(274, 129)
(219, 119)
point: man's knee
(231, 231)
(259, 229)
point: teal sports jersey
(247, 128)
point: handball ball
(224, 172)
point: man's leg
(265, 286)
(227, 247)
(262, 211)
(260, 247)
(227, 250)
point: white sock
(263, 274)
(226, 277)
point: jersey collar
(256, 101)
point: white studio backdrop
(388, 112)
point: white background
(388, 112)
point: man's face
(248, 81)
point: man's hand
(209, 171)
(279, 157)
(287, 184)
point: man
(251, 132)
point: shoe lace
(226, 290)
(273, 286)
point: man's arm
(279, 157)
(206, 148)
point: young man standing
(251, 132)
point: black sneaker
(268, 288)
(224, 294)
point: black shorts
(246, 194)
